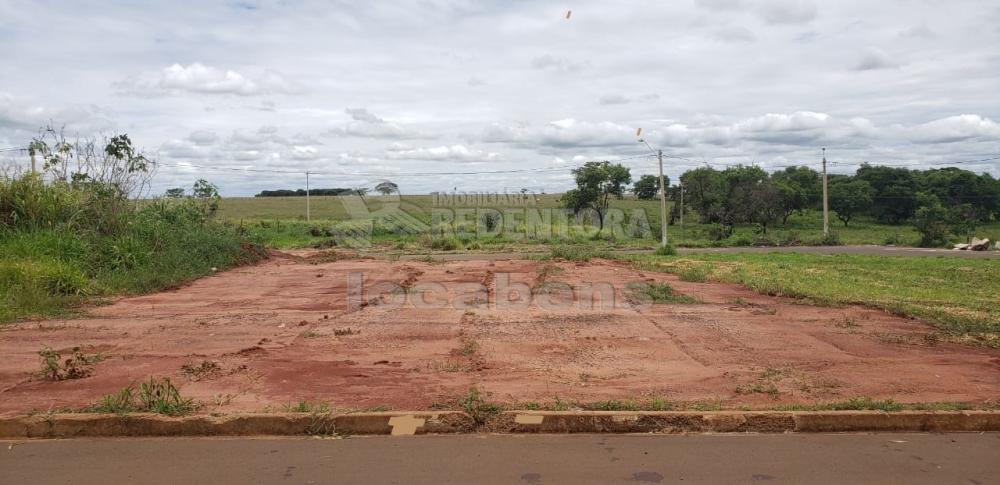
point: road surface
(518, 459)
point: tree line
(938, 202)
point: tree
(648, 186)
(704, 190)
(386, 188)
(207, 194)
(895, 198)
(742, 189)
(849, 197)
(596, 183)
(931, 221)
(174, 193)
(800, 188)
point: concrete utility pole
(308, 208)
(826, 201)
(681, 210)
(663, 202)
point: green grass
(47, 272)
(157, 396)
(959, 296)
(280, 222)
(659, 293)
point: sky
(251, 94)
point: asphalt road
(863, 250)
(519, 459)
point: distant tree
(386, 188)
(208, 195)
(596, 183)
(849, 197)
(743, 186)
(751, 197)
(175, 193)
(704, 190)
(203, 189)
(800, 188)
(648, 186)
(931, 220)
(895, 198)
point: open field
(280, 221)
(291, 333)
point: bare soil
(286, 330)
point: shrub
(55, 251)
(158, 396)
(668, 250)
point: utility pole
(663, 202)
(308, 214)
(682, 204)
(826, 201)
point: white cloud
(548, 61)
(201, 79)
(953, 129)
(453, 153)
(362, 114)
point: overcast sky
(364, 91)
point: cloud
(550, 62)
(307, 152)
(203, 137)
(735, 34)
(720, 4)
(774, 12)
(953, 129)
(614, 99)
(24, 115)
(201, 79)
(451, 153)
(875, 59)
(778, 12)
(563, 133)
(362, 114)
(366, 124)
(921, 31)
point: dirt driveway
(364, 333)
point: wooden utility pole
(663, 202)
(826, 201)
(308, 208)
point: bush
(55, 251)
(668, 250)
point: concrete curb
(404, 423)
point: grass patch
(49, 271)
(307, 407)
(157, 396)
(477, 407)
(659, 293)
(960, 297)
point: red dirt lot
(290, 329)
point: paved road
(636, 459)
(864, 250)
